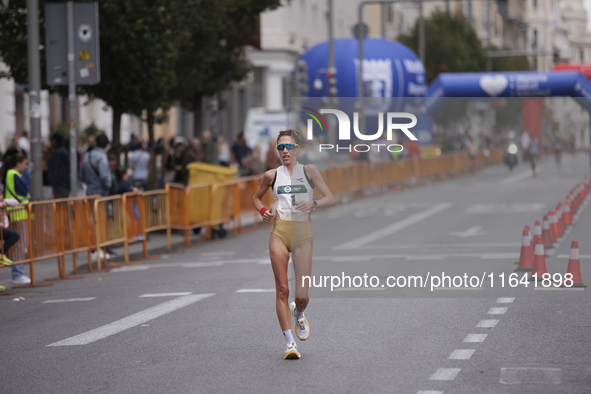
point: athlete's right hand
(268, 215)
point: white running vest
(288, 191)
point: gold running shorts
(292, 233)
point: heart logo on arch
(493, 85)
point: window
(581, 54)
(535, 3)
(534, 43)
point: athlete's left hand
(304, 206)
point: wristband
(263, 210)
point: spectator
(23, 142)
(10, 237)
(122, 178)
(115, 188)
(208, 148)
(272, 162)
(47, 189)
(58, 168)
(94, 170)
(133, 143)
(183, 157)
(169, 161)
(253, 162)
(224, 154)
(17, 186)
(138, 162)
(240, 150)
(196, 146)
(91, 144)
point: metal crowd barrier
(22, 251)
(110, 225)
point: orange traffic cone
(552, 228)
(525, 258)
(531, 241)
(538, 228)
(539, 267)
(556, 228)
(568, 218)
(574, 266)
(546, 237)
(559, 217)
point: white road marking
(461, 354)
(395, 227)
(130, 268)
(255, 291)
(131, 321)
(519, 177)
(487, 323)
(68, 300)
(457, 288)
(429, 392)
(505, 300)
(471, 232)
(359, 288)
(567, 256)
(425, 257)
(475, 338)
(445, 374)
(530, 375)
(165, 294)
(497, 311)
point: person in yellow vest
(17, 184)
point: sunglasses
(289, 146)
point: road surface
(202, 320)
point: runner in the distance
(292, 185)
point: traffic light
(302, 78)
(331, 77)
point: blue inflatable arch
(508, 84)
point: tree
(449, 42)
(139, 42)
(214, 56)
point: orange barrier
(134, 222)
(155, 210)
(188, 208)
(76, 226)
(245, 190)
(21, 252)
(47, 241)
(109, 214)
(221, 205)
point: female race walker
(293, 189)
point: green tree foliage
(214, 55)
(452, 42)
(153, 53)
(449, 41)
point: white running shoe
(292, 352)
(302, 326)
(22, 280)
